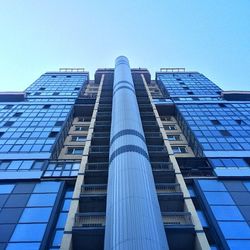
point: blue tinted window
(218, 198)
(36, 214)
(235, 230)
(37, 200)
(6, 189)
(227, 213)
(211, 185)
(66, 205)
(247, 184)
(26, 246)
(61, 220)
(202, 219)
(239, 244)
(58, 238)
(47, 187)
(28, 232)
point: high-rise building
(124, 162)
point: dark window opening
(42, 88)
(222, 105)
(179, 149)
(81, 128)
(68, 76)
(79, 138)
(53, 134)
(80, 119)
(46, 106)
(59, 123)
(240, 122)
(37, 93)
(174, 138)
(182, 83)
(178, 79)
(8, 106)
(225, 132)
(1, 134)
(75, 151)
(169, 127)
(8, 124)
(53, 76)
(17, 114)
(77, 88)
(56, 93)
(190, 92)
(215, 122)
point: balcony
(89, 228)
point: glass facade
(227, 203)
(33, 211)
(187, 84)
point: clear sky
(212, 37)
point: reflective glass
(227, 213)
(28, 232)
(36, 215)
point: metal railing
(177, 218)
(98, 219)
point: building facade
(124, 162)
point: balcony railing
(98, 219)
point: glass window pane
(219, 198)
(6, 189)
(227, 213)
(36, 215)
(47, 187)
(211, 185)
(26, 246)
(28, 232)
(37, 200)
(240, 230)
(58, 238)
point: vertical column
(133, 217)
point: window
(75, 151)
(47, 106)
(240, 122)
(78, 138)
(68, 76)
(190, 92)
(53, 76)
(174, 138)
(1, 134)
(53, 134)
(222, 105)
(240, 230)
(37, 93)
(225, 133)
(40, 214)
(77, 88)
(219, 198)
(81, 128)
(80, 119)
(232, 213)
(42, 88)
(215, 122)
(8, 124)
(8, 106)
(169, 127)
(59, 123)
(179, 149)
(56, 93)
(41, 200)
(17, 114)
(28, 232)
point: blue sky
(212, 37)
